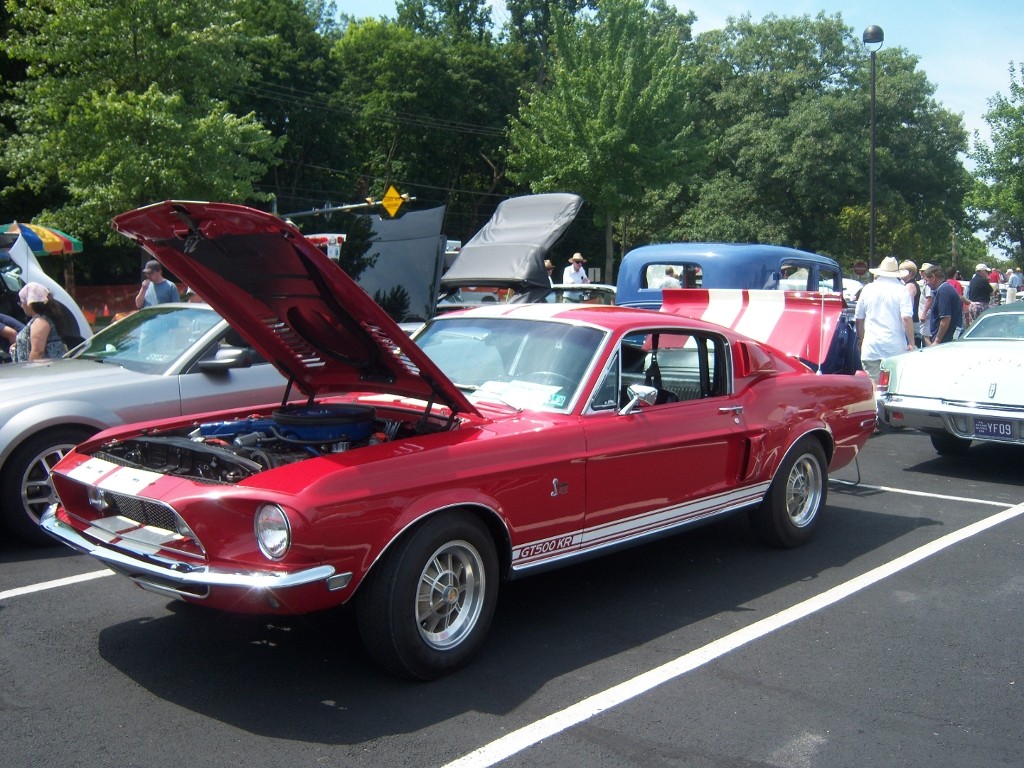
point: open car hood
(509, 251)
(797, 323)
(292, 303)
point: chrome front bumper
(179, 579)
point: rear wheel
(789, 514)
(946, 444)
(25, 484)
(426, 608)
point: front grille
(143, 511)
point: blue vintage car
(645, 271)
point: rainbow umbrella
(44, 240)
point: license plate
(993, 428)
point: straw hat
(578, 257)
(888, 268)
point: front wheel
(25, 483)
(789, 514)
(426, 608)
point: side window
(606, 396)
(794, 276)
(829, 280)
(661, 276)
(681, 366)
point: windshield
(150, 341)
(997, 325)
(524, 363)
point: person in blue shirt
(156, 289)
(945, 316)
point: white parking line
(907, 492)
(531, 734)
(44, 585)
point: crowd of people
(904, 308)
(40, 336)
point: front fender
(65, 413)
(423, 507)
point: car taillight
(883, 380)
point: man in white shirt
(575, 273)
(885, 312)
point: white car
(965, 390)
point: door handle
(734, 409)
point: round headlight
(273, 532)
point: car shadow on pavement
(587, 626)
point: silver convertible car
(167, 360)
(966, 390)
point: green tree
(446, 18)
(530, 24)
(429, 116)
(612, 120)
(286, 46)
(787, 119)
(125, 105)
(998, 195)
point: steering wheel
(550, 377)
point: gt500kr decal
(587, 539)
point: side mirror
(639, 393)
(226, 358)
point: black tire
(25, 482)
(946, 444)
(791, 510)
(427, 605)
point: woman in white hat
(40, 338)
(885, 312)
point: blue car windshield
(150, 341)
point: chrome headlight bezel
(273, 531)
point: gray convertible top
(509, 251)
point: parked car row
(410, 476)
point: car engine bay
(233, 450)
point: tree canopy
(613, 119)
(125, 104)
(999, 194)
(758, 131)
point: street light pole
(873, 36)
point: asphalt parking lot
(893, 639)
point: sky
(964, 48)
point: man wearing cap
(884, 317)
(156, 289)
(979, 292)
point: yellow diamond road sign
(392, 201)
